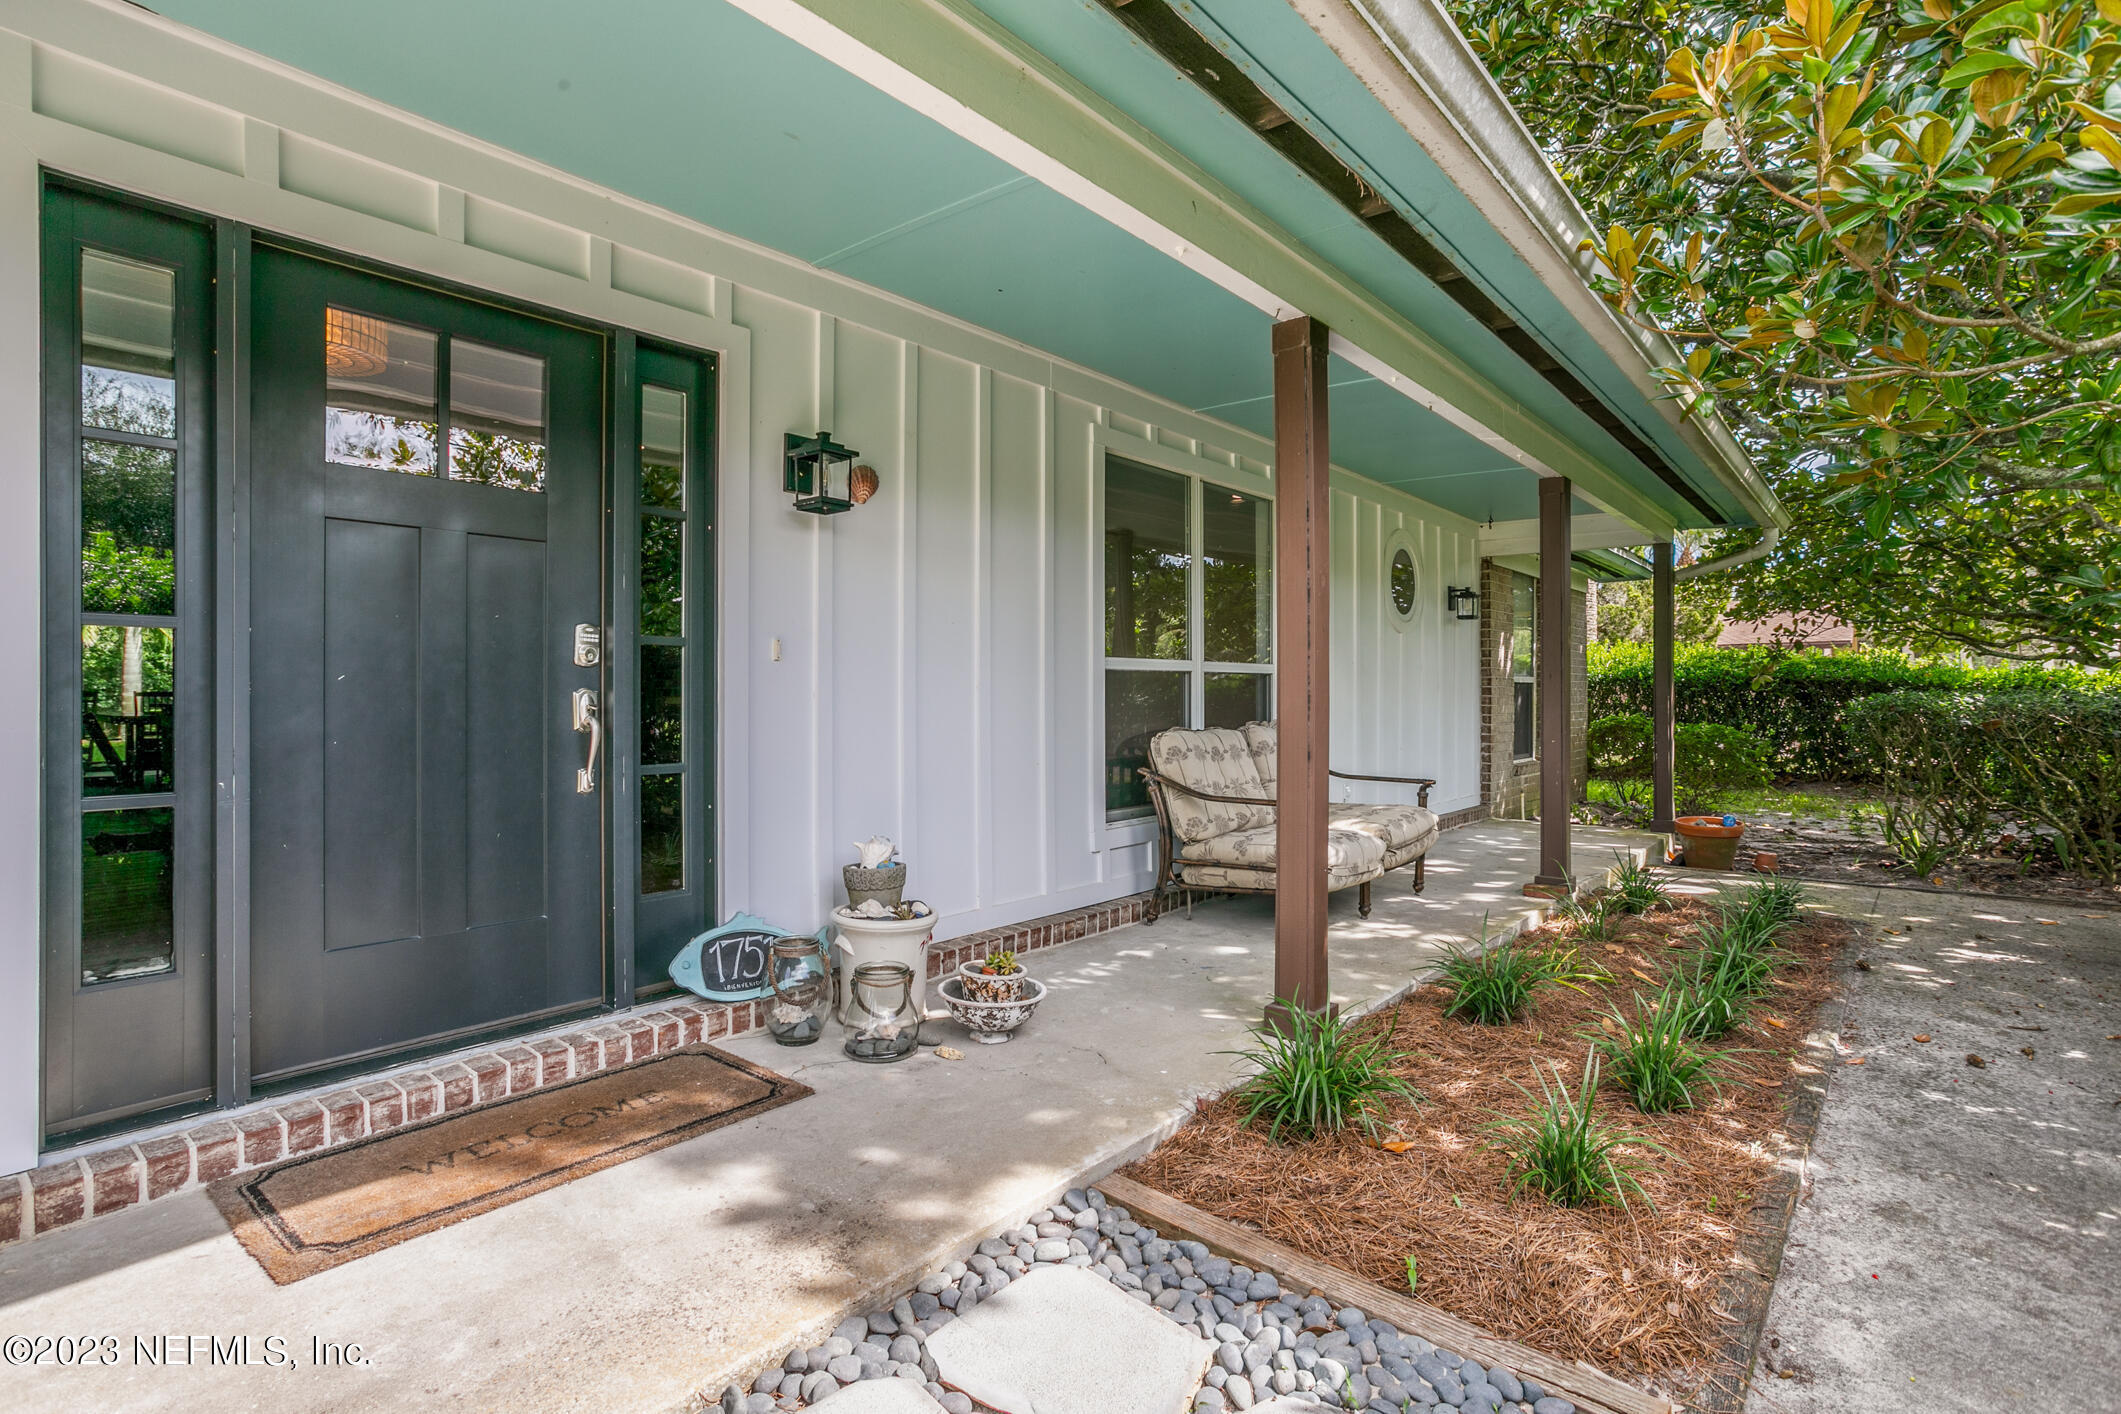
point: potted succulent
(997, 977)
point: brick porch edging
(82, 1186)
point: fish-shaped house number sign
(728, 964)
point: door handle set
(588, 717)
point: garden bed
(1632, 1291)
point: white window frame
(1199, 475)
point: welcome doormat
(312, 1214)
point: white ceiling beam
(1586, 532)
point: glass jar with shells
(801, 980)
(883, 1020)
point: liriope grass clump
(1636, 889)
(1776, 899)
(1563, 1151)
(1737, 957)
(1492, 985)
(1319, 1074)
(1653, 1052)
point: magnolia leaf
(2094, 116)
(2018, 17)
(2104, 143)
(1973, 66)
(2081, 202)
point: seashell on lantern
(862, 483)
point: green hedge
(1706, 757)
(1960, 766)
(1798, 702)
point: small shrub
(1707, 757)
(1319, 1077)
(1652, 1055)
(1712, 757)
(1563, 1151)
(1637, 889)
(1955, 765)
(1492, 986)
(1619, 747)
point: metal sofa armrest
(1424, 782)
(1156, 779)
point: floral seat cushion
(1351, 855)
(1399, 827)
(1219, 761)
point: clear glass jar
(883, 1020)
(801, 980)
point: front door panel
(426, 480)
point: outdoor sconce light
(1463, 602)
(820, 474)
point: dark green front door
(426, 850)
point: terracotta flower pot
(1710, 844)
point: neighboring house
(1812, 633)
(394, 508)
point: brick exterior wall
(1510, 788)
(70, 1190)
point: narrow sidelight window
(127, 853)
(128, 470)
(664, 438)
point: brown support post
(1662, 723)
(1302, 596)
(1556, 645)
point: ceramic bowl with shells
(990, 1022)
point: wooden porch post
(1662, 752)
(1302, 597)
(1556, 646)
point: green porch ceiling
(695, 107)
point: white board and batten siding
(939, 676)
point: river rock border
(1270, 1341)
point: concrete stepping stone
(1061, 1341)
(881, 1397)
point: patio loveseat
(1214, 793)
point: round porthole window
(1403, 582)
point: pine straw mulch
(1633, 1293)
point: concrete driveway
(1955, 1245)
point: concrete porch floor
(650, 1285)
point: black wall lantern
(819, 473)
(1463, 602)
